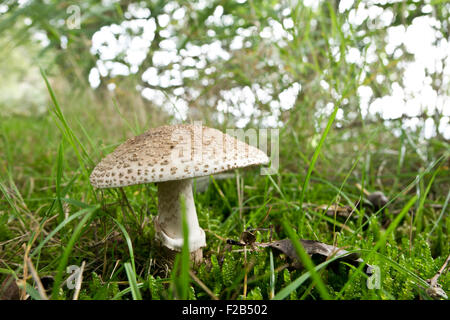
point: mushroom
(172, 156)
(378, 200)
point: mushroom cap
(173, 153)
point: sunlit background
(238, 63)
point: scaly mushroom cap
(173, 153)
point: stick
(37, 279)
(435, 289)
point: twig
(248, 267)
(114, 269)
(37, 279)
(304, 205)
(202, 285)
(23, 282)
(362, 189)
(14, 239)
(215, 234)
(380, 169)
(276, 270)
(27, 248)
(435, 290)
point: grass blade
(272, 275)
(382, 241)
(60, 226)
(306, 260)
(65, 256)
(131, 274)
(182, 278)
(311, 167)
(444, 207)
(286, 291)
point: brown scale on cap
(167, 148)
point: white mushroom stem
(168, 223)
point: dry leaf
(334, 209)
(378, 200)
(314, 249)
(9, 289)
(436, 292)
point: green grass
(48, 203)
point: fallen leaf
(436, 292)
(332, 210)
(378, 200)
(316, 249)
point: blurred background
(233, 63)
